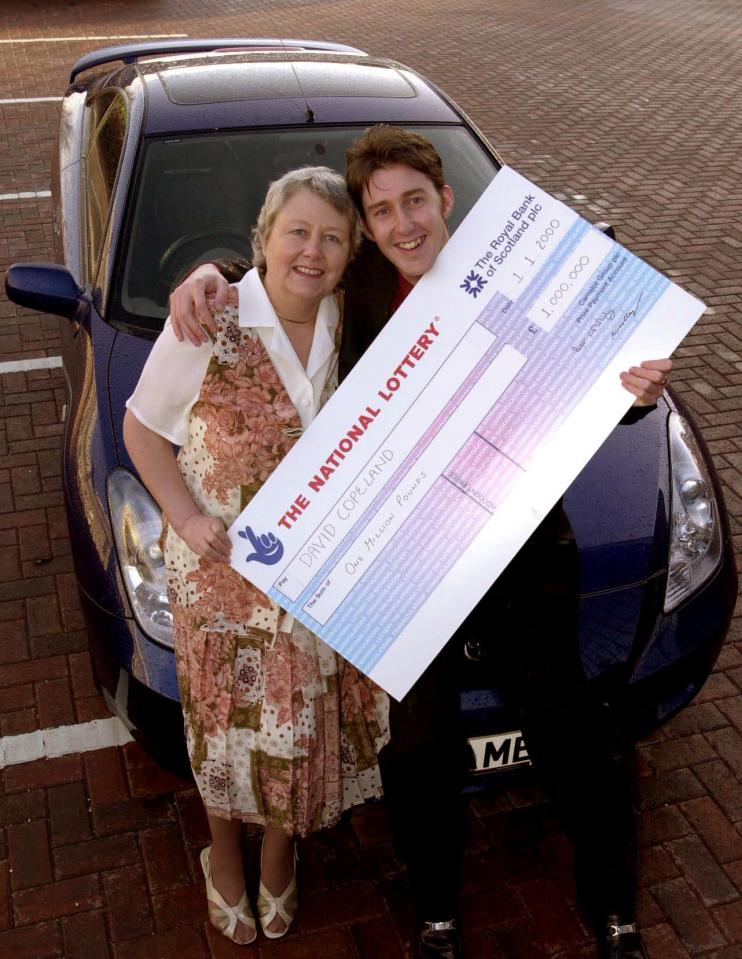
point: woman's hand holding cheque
(206, 536)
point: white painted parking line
(39, 363)
(113, 36)
(62, 740)
(26, 195)
(31, 100)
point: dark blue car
(165, 153)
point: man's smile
(411, 244)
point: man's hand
(206, 536)
(189, 310)
(647, 381)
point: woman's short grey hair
(320, 180)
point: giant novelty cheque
(468, 417)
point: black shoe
(620, 941)
(439, 940)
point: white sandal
(284, 906)
(223, 916)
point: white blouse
(174, 372)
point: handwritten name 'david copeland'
(357, 431)
(324, 538)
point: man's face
(405, 215)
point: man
(396, 179)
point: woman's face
(308, 248)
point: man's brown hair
(382, 145)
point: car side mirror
(46, 287)
(607, 228)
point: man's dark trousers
(529, 619)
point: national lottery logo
(473, 283)
(267, 548)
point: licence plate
(503, 751)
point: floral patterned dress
(280, 729)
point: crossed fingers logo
(267, 549)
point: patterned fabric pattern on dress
(279, 728)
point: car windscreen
(197, 198)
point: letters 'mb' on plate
(465, 421)
(498, 752)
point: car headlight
(137, 527)
(695, 536)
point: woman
(280, 731)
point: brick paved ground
(630, 112)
